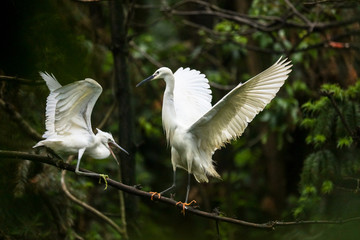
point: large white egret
(68, 121)
(195, 129)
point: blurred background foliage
(298, 160)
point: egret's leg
(188, 188)
(185, 204)
(173, 185)
(77, 171)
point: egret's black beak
(145, 80)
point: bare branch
(134, 191)
(107, 115)
(302, 17)
(10, 109)
(89, 1)
(229, 37)
(327, 2)
(146, 55)
(270, 25)
(87, 206)
(18, 80)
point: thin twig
(134, 191)
(18, 80)
(122, 206)
(10, 109)
(324, 2)
(89, 1)
(302, 17)
(337, 109)
(107, 115)
(146, 55)
(273, 23)
(88, 207)
(221, 87)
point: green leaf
(308, 122)
(327, 187)
(319, 138)
(344, 142)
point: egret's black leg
(188, 188)
(185, 204)
(172, 186)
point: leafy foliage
(333, 129)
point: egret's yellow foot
(184, 205)
(153, 194)
(104, 176)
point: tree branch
(107, 115)
(18, 80)
(88, 207)
(338, 111)
(299, 15)
(146, 55)
(272, 25)
(10, 109)
(134, 191)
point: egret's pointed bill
(118, 146)
(145, 80)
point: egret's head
(160, 73)
(108, 141)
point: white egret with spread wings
(68, 121)
(195, 129)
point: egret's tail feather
(39, 144)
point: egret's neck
(168, 109)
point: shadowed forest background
(297, 160)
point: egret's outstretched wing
(230, 116)
(73, 107)
(192, 96)
(52, 84)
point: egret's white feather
(68, 121)
(229, 117)
(74, 105)
(192, 96)
(52, 84)
(69, 108)
(195, 130)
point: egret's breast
(98, 151)
(183, 142)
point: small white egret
(68, 121)
(195, 129)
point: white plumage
(68, 121)
(195, 129)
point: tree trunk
(118, 18)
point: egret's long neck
(168, 109)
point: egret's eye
(157, 73)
